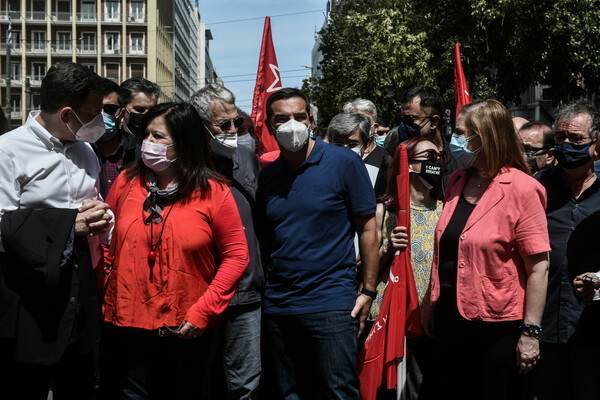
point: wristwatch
(369, 293)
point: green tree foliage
(377, 49)
(370, 52)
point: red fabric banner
(268, 80)
(461, 90)
(399, 316)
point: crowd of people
(147, 251)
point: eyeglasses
(110, 109)
(536, 151)
(351, 144)
(225, 125)
(574, 138)
(431, 155)
(410, 120)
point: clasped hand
(92, 218)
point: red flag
(461, 90)
(268, 81)
(399, 316)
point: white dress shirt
(38, 171)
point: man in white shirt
(50, 219)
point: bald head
(519, 122)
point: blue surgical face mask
(110, 123)
(597, 168)
(357, 150)
(571, 156)
(379, 140)
(407, 131)
(458, 149)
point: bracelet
(369, 293)
(532, 330)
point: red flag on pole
(399, 316)
(461, 91)
(268, 81)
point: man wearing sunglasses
(538, 143)
(123, 108)
(239, 326)
(422, 111)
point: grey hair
(363, 105)
(202, 99)
(570, 111)
(344, 124)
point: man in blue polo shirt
(311, 200)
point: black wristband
(532, 330)
(369, 293)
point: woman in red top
(175, 223)
(490, 263)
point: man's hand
(189, 331)
(92, 218)
(361, 311)
(528, 353)
(585, 288)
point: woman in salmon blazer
(490, 264)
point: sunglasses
(410, 120)
(111, 108)
(224, 126)
(431, 155)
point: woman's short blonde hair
(501, 146)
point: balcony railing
(68, 17)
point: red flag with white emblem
(268, 81)
(461, 91)
(399, 315)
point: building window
(111, 42)
(63, 41)
(88, 42)
(36, 101)
(137, 11)
(38, 71)
(16, 39)
(111, 11)
(39, 40)
(137, 71)
(15, 71)
(13, 5)
(88, 11)
(136, 42)
(112, 71)
(38, 9)
(63, 9)
(16, 103)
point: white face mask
(292, 135)
(224, 144)
(91, 131)
(154, 155)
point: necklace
(154, 246)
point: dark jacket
(49, 305)
(241, 171)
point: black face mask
(134, 123)
(432, 171)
